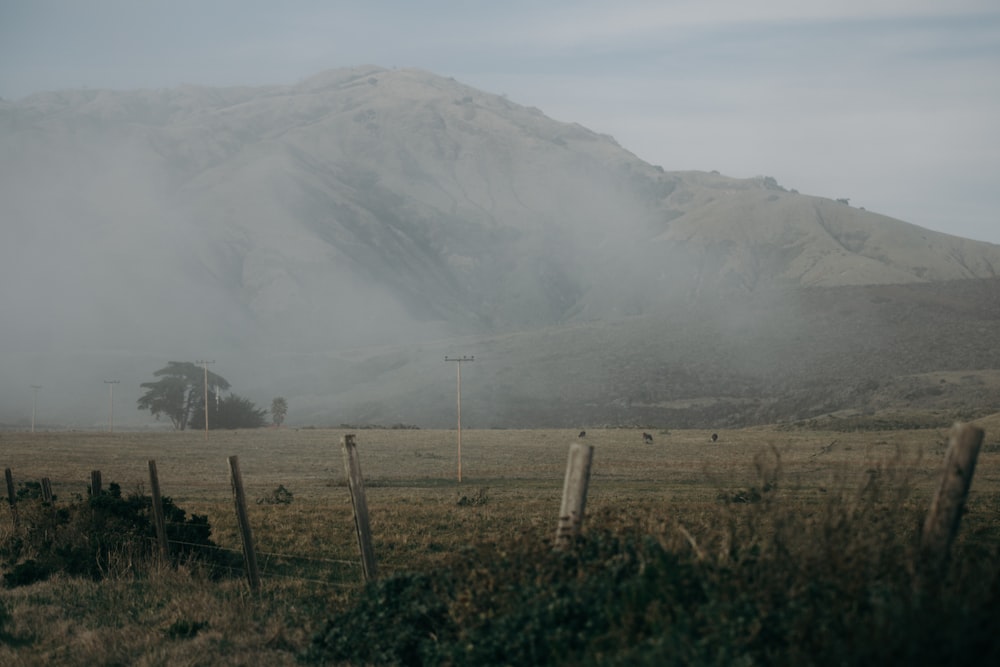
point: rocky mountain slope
(314, 237)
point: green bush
(774, 582)
(103, 535)
(30, 491)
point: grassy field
(421, 516)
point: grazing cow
(647, 437)
(583, 434)
(715, 436)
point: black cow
(647, 437)
(715, 436)
(583, 434)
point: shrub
(478, 499)
(30, 491)
(278, 496)
(774, 581)
(104, 535)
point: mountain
(323, 240)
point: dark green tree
(279, 408)
(179, 392)
(233, 411)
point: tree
(279, 408)
(233, 411)
(179, 392)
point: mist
(331, 241)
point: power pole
(205, 364)
(111, 419)
(34, 404)
(458, 363)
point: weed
(185, 629)
(279, 496)
(479, 498)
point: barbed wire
(264, 569)
(273, 575)
(336, 584)
(199, 546)
(269, 556)
(315, 559)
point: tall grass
(737, 552)
(759, 578)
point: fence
(250, 555)
(939, 530)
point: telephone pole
(34, 404)
(205, 365)
(111, 419)
(458, 363)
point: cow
(715, 436)
(646, 437)
(583, 434)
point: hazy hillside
(286, 230)
(714, 363)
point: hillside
(312, 236)
(923, 348)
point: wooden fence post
(47, 490)
(11, 496)
(95, 483)
(574, 498)
(249, 552)
(945, 513)
(359, 505)
(158, 519)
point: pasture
(682, 487)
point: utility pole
(458, 363)
(111, 419)
(34, 404)
(205, 364)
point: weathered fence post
(46, 490)
(158, 519)
(574, 498)
(945, 513)
(95, 483)
(249, 552)
(360, 505)
(11, 496)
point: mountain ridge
(368, 206)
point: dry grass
(309, 462)
(512, 485)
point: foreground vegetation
(767, 547)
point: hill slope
(383, 207)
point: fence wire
(264, 569)
(271, 560)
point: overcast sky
(894, 104)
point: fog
(135, 235)
(331, 242)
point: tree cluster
(180, 394)
(232, 411)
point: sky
(893, 104)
